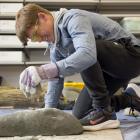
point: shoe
(66, 106)
(97, 116)
(110, 124)
(128, 112)
(133, 92)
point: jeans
(53, 93)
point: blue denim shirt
(75, 49)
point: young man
(98, 48)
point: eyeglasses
(35, 36)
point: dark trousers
(116, 65)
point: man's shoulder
(72, 12)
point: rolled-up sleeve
(80, 30)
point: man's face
(43, 29)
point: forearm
(76, 62)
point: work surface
(129, 130)
(113, 134)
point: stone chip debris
(45, 122)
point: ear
(42, 16)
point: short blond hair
(26, 18)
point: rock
(45, 122)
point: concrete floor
(112, 134)
(129, 130)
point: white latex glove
(29, 79)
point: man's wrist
(41, 73)
(48, 71)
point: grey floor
(130, 126)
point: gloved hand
(28, 81)
(32, 76)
